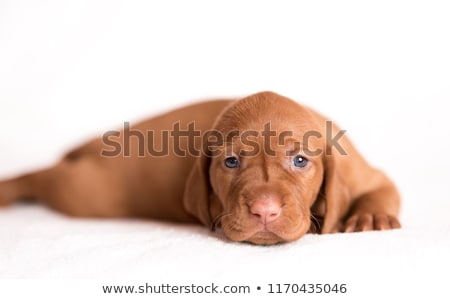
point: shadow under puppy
(263, 168)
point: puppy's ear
(334, 193)
(197, 191)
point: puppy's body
(263, 200)
(86, 183)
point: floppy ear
(335, 194)
(197, 191)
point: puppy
(264, 169)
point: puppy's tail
(25, 187)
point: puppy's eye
(231, 162)
(300, 161)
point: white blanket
(39, 243)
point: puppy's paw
(5, 199)
(368, 221)
(4, 202)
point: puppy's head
(263, 173)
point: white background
(69, 70)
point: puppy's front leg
(376, 210)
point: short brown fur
(265, 200)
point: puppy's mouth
(265, 237)
(261, 234)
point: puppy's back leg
(82, 188)
(25, 187)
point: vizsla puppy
(264, 169)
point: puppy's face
(266, 175)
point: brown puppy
(264, 168)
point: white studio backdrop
(70, 70)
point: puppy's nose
(265, 211)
